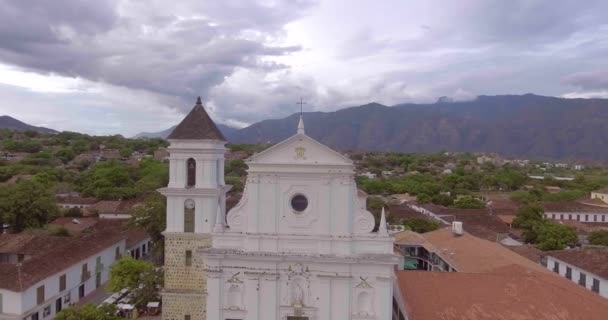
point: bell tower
(196, 197)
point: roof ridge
(197, 125)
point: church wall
(267, 295)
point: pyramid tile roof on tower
(197, 125)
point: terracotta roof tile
(197, 125)
(468, 253)
(511, 293)
(51, 254)
(594, 260)
(573, 206)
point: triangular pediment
(300, 149)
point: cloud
(176, 51)
(588, 80)
(144, 62)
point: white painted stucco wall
(19, 305)
(576, 271)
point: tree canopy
(88, 312)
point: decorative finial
(198, 101)
(382, 227)
(219, 221)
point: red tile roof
(594, 260)
(52, 254)
(573, 206)
(509, 293)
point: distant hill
(226, 131)
(7, 122)
(527, 126)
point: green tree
(421, 225)
(126, 273)
(599, 238)
(137, 276)
(65, 155)
(469, 202)
(529, 216)
(28, 204)
(553, 236)
(423, 198)
(152, 216)
(88, 312)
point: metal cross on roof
(301, 103)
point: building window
(603, 218)
(191, 172)
(561, 216)
(188, 258)
(40, 295)
(582, 280)
(187, 317)
(62, 281)
(553, 216)
(596, 286)
(595, 218)
(85, 273)
(46, 312)
(189, 217)
(1, 303)
(67, 298)
(556, 267)
(586, 217)
(34, 316)
(117, 253)
(569, 273)
(569, 217)
(578, 217)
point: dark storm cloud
(184, 51)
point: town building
(42, 274)
(601, 194)
(114, 209)
(576, 211)
(69, 202)
(161, 154)
(586, 267)
(499, 283)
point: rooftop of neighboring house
(594, 202)
(478, 222)
(602, 190)
(77, 200)
(74, 225)
(403, 211)
(573, 206)
(508, 292)
(116, 206)
(593, 260)
(52, 254)
(527, 251)
(467, 253)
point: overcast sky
(125, 66)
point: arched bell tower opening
(190, 173)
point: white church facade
(298, 246)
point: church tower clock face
(299, 203)
(189, 204)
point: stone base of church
(185, 277)
(177, 305)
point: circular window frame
(306, 204)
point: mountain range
(526, 126)
(7, 122)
